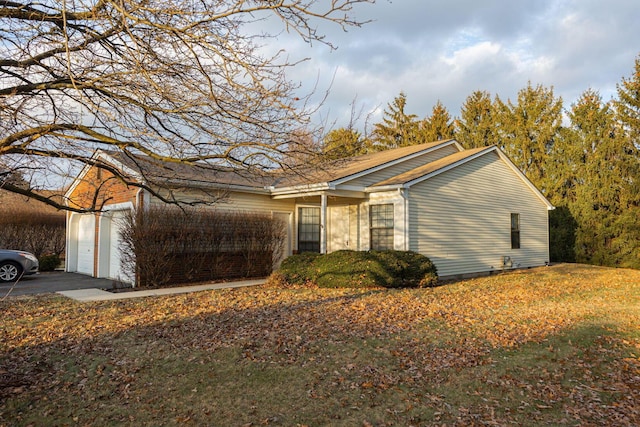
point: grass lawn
(550, 346)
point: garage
(82, 253)
(101, 258)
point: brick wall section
(109, 189)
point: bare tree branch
(176, 80)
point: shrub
(298, 269)
(349, 269)
(36, 232)
(168, 245)
(49, 262)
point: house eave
(179, 183)
(298, 189)
(384, 188)
(321, 192)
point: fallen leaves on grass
(414, 343)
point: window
(308, 230)
(381, 223)
(515, 231)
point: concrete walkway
(94, 294)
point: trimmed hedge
(358, 269)
(168, 245)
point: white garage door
(86, 238)
(115, 269)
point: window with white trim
(308, 230)
(381, 227)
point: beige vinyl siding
(460, 219)
(402, 167)
(248, 202)
(257, 202)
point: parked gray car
(15, 263)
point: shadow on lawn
(295, 356)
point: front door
(308, 230)
(339, 228)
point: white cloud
(434, 50)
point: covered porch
(331, 220)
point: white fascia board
(119, 165)
(74, 184)
(330, 193)
(457, 144)
(353, 188)
(384, 188)
(297, 189)
(98, 154)
(397, 161)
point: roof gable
(417, 175)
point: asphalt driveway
(54, 281)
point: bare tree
(176, 80)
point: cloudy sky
(444, 50)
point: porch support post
(323, 223)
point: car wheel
(9, 271)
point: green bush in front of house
(49, 262)
(297, 269)
(356, 269)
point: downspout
(323, 223)
(404, 193)
(140, 199)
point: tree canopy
(528, 128)
(438, 126)
(397, 129)
(476, 127)
(342, 143)
(177, 80)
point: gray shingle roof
(162, 172)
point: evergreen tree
(476, 127)
(595, 175)
(342, 143)
(437, 127)
(627, 108)
(398, 129)
(527, 130)
(628, 104)
(590, 163)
